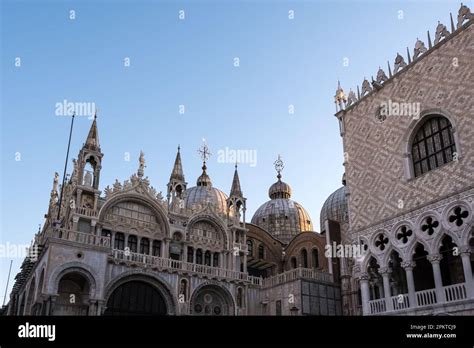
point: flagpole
(65, 168)
(8, 281)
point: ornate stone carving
(351, 98)
(441, 32)
(141, 167)
(117, 186)
(366, 87)
(434, 258)
(408, 265)
(340, 98)
(381, 76)
(399, 63)
(419, 48)
(464, 14)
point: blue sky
(188, 62)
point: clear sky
(189, 62)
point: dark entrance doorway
(136, 298)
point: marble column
(435, 259)
(364, 288)
(466, 265)
(408, 266)
(385, 272)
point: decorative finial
(279, 165)
(95, 113)
(179, 147)
(340, 98)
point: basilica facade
(406, 204)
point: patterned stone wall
(441, 80)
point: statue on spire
(141, 168)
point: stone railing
(377, 306)
(400, 302)
(424, 298)
(295, 274)
(86, 212)
(183, 267)
(77, 237)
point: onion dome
(282, 217)
(203, 193)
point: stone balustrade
(296, 274)
(424, 298)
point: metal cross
(204, 151)
(279, 164)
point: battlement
(442, 35)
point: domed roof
(282, 217)
(204, 194)
(335, 207)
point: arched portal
(212, 300)
(136, 298)
(74, 293)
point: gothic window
(433, 145)
(156, 248)
(315, 258)
(145, 246)
(190, 254)
(199, 257)
(250, 247)
(293, 262)
(183, 285)
(261, 251)
(132, 243)
(278, 307)
(207, 258)
(119, 241)
(215, 260)
(240, 296)
(304, 258)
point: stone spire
(177, 173)
(176, 184)
(92, 141)
(235, 189)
